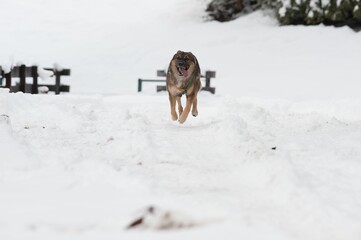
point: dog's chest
(175, 91)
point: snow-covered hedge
(311, 12)
(307, 12)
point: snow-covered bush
(307, 12)
(311, 12)
(226, 10)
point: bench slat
(161, 73)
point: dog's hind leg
(172, 101)
(194, 108)
(187, 109)
(180, 107)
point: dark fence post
(139, 85)
(8, 80)
(22, 78)
(208, 78)
(57, 82)
(34, 74)
(208, 82)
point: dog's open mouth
(182, 72)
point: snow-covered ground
(275, 154)
(84, 166)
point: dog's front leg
(180, 108)
(187, 109)
(172, 101)
(194, 108)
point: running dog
(183, 78)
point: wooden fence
(22, 72)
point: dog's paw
(174, 117)
(194, 111)
(182, 119)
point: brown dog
(183, 78)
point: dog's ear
(192, 55)
(179, 51)
(197, 64)
(176, 55)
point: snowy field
(275, 154)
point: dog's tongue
(184, 72)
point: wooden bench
(161, 73)
(22, 72)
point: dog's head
(184, 64)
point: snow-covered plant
(312, 12)
(307, 12)
(315, 13)
(356, 12)
(293, 11)
(226, 10)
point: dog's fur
(183, 78)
